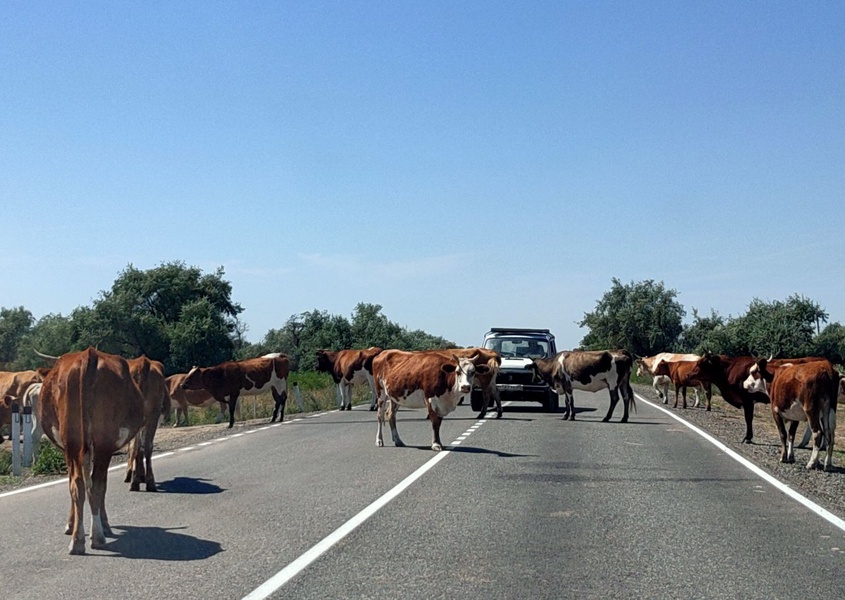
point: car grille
(523, 377)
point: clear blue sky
(463, 164)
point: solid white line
(289, 572)
(825, 514)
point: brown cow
(14, 384)
(590, 371)
(90, 407)
(348, 368)
(728, 374)
(182, 398)
(647, 365)
(149, 376)
(229, 380)
(800, 392)
(679, 374)
(432, 380)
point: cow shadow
(161, 543)
(189, 485)
(469, 450)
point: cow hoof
(98, 543)
(605, 420)
(498, 415)
(400, 444)
(665, 401)
(624, 420)
(152, 487)
(572, 417)
(436, 447)
(77, 547)
(746, 441)
(372, 408)
(379, 444)
(128, 477)
(135, 486)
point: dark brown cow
(728, 374)
(182, 398)
(90, 407)
(679, 374)
(348, 368)
(800, 392)
(485, 380)
(230, 380)
(432, 380)
(149, 376)
(589, 371)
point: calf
(149, 376)
(348, 368)
(90, 407)
(589, 371)
(485, 380)
(679, 374)
(229, 380)
(183, 398)
(800, 392)
(435, 381)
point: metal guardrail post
(298, 395)
(27, 436)
(16, 439)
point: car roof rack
(517, 330)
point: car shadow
(160, 543)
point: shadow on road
(158, 543)
(189, 485)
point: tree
(695, 336)
(645, 318)
(15, 323)
(830, 343)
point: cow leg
(627, 399)
(233, 403)
(348, 393)
(784, 445)
(676, 396)
(614, 398)
(829, 424)
(790, 438)
(748, 409)
(374, 401)
(280, 399)
(708, 393)
(130, 462)
(684, 394)
(391, 419)
(76, 524)
(148, 477)
(100, 527)
(815, 421)
(382, 407)
(436, 420)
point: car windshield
(519, 347)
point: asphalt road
(529, 506)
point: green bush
(5, 462)
(50, 461)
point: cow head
(324, 360)
(756, 382)
(193, 381)
(464, 370)
(708, 368)
(544, 369)
(642, 370)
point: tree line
(182, 317)
(646, 318)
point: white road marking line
(289, 572)
(825, 514)
(39, 486)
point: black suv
(516, 379)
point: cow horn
(47, 358)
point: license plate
(509, 387)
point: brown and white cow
(90, 407)
(800, 392)
(589, 371)
(484, 379)
(251, 377)
(149, 376)
(432, 380)
(14, 384)
(647, 365)
(182, 398)
(679, 374)
(348, 368)
(728, 374)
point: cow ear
(482, 369)
(43, 371)
(449, 368)
(7, 401)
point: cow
(678, 373)
(149, 376)
(14, 384)
(5, 411)
(728, 374)
(589, 371)
(229, 380)
(183, 398)
(348, 368)
(800, 392)
(432, 380)
(485, 380)
(90, 407)
(647, 365)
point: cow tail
(80, 380)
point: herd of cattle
(92, 404)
